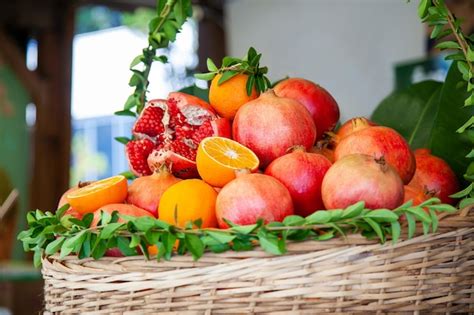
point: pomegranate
(250, 197)
(321, 105)
(302, 174)
(434, 175)
(145, 192)
(270, 125)
(124, 209)
(168, 132)
(351, 126)
(359, 177)
(380, 142)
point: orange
(227, 98)
(219, 158)
(100, 193)
(188, 201)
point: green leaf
(152, 237)
(134, 241)
(434, 220)
(466, 202)
(162, 59)
(470, 155)
(294, 220)
(382, 215)
(242, 245)
(420, 214)
(448, 45)
(125, 113)
(319, 217)
(463, 68)
(244, 229)
(85, 251)
(194, 245)
(211, 66)
(54, 246)
(37, 257)
(136, 61)
(123, 140)
(411, 225)
(376, 227)
(353, 210)
(470, 54)
(99, 249)
(395, 231)
(60, 212)
(170, 30)
(226, 76)
(436, 31)
(144, 223)
(463, 193)
(423, 8)
(270, 243)
(251, 54)
(69, 244)
(250, 84)
(443, 208)
(205, 76)
(324, 237)
(467, 124)
(221, 237)
(123, 244)
(169, 241)
(426, 228)
(336, 214)
(128, 175)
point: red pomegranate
(63, 200)
(359, 177)
(270, 125)
(434, 175)
(321, 105)
(351, 126)
(121, 208)
(168, 132)
(380, 142)
(302, 174)
(250, 197)
(145, 192)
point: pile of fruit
(252, 154)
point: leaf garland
(50, 233)
(231, 66)
(171, 15)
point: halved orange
(219, 158)
(100, 193)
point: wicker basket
(427, 274)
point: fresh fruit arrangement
(261, 164)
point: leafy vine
(437, 15)
(50, 233)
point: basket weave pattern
(427, 274)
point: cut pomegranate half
(175, 127)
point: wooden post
(52, 134)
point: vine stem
(149, 60)
(461, 41)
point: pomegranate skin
(353, 125)
(302, 174)
(270, 125)
(145, 192)
(250, 197)
(380, 141)
(416, 195)
(321, 105)
(359, 177)
(434, 176)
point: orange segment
(218, 158)
(100, 193)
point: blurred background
(64, 71)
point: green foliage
(50, 233)
(435, 13)
(232, 66)
(427, 114)
(162, 29)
